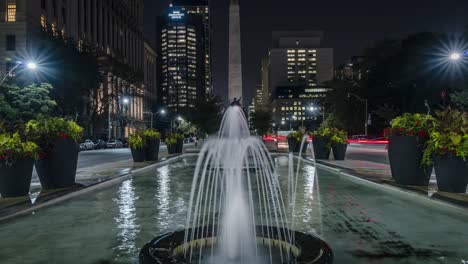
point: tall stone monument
(235, 61)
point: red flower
(444, 149)
(410, 133)
(29, 154)
(454, 152)
(6, 151)
(63, 135)
(401, 129)
(1, 157)
(422, 134)
(387, 132)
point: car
(100, 144)
(82, 147)
(88, 144)
(114, 143)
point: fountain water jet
(236, 210)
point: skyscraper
(235, 61)
(181, 60)
(201, 8)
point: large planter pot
(339, 151)
(58, 169)
(138, 154)
(16, 180)
(152, 149)
(180, 146)
(451, 174)
(405, 154)
(321, 148)
(295, 146)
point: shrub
(297, 135)
(448, 136)
(173, 138)
(45, 131)
(338, 136)
(151, 134)
(411, 125)
(13, 148)
(136, 140)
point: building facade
(201, 8)
(114, 30)
(298, 68)
(181, 60)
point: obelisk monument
(235, 61)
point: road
(373, 153)
(92, 158)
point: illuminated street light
(126, 101)
(455, 56)
(31, 65)
(283, 122)
(163, 112)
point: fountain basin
(170, 248)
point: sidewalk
(380, 173)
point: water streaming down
(234, 192)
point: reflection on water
(162, 197)
(126, 219)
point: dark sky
(350, 26)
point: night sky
(350, 26)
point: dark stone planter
(405, 155)
(58, 169)
(321, 150)
(138, 154)
(180, 146)
(339, 151)
(152, 149)
(295, 146)
(16, 180)
(451, 173)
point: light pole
(367, 116)
(30, 65)
(162, 112)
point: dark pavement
(373, 153)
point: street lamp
(162, 112)
(367, 116)
(125, 101)
(455, 56)
(29, 65)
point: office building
(181, 61)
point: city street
(368, 152)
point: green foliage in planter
(338, 136)
(448, 136)
(173, 138)
(14, 148)
(44, 131)
(151, 133)
(136, 140)
(297, 135)
(410, 125)
(323, 132)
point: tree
(261, 121)
(207, 115)
(21, 104)
(460, 99)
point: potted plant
(137, 146)
(321, 142)
(295, 141)
(447, 148)
(16, 165)
(174, 143)
(407, 137)
(58, 140)
(151, 140)
(339, 143)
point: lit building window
(11, 12)
(43, 22)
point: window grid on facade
(11, 12)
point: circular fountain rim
(170, 247)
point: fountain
(237, 213)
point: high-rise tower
(235, 61)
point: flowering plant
(338, 136)
(13, 148)
(45, 131)
(297, 135)
(448, 136)
(323, 132)
(410, 125)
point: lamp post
(367, 115)
(162, 112)
(30, 65)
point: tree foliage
(261, 121)
(21, 104)
(207, 116)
